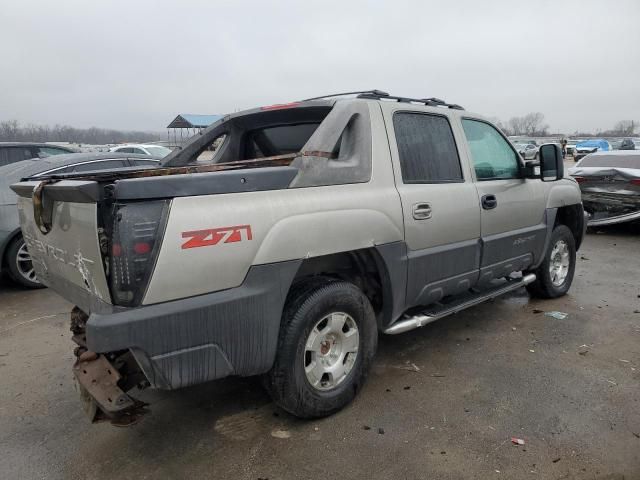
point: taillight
(135, 241)
(580, 179)
(635, 181)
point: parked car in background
(590, 146)
(627, 144)
(610, 185)
(528, 151)
(157, 151)
(571, 147)
(15, 260)
(12, 152)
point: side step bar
(407, 322)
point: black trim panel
(440, 271)
(205, 183)
(197, 339)
(76, 191)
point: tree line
(533, 125)
(13, 131)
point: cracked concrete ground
(448, 397)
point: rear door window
(427, 149)
(492, 155)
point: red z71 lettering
(213, 236)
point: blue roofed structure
(185, 125)
(190, 120)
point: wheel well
(572, 217)
(364, 268)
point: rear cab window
(426, 148)
(492, 155)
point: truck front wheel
(555, 273)
(327, 341)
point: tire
(20, 270)
(548, 285)
(309, 305)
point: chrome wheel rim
(331, 350)
(24, 264)
(559, 264)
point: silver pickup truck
(310, 229)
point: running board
(436, 313)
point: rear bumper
(197, 339)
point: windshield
(158, 151)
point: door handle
(489, 202)
(421, 211)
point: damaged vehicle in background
(610, 185)
(590, 146)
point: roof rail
(377, 93)
(431, 102)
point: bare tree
(624, 128)
(531, 124)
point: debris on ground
(280, 433)
(557, 315)
(517, 441)
(582, 257)
(410, 367)
(583, 350)
(438, 375)
(532, 351)
(407, 387)
(381, 431)
(624, 361)
(366, 427)
(537, 310)
(556, 460)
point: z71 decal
(213, 236)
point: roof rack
(431, 102)
(378, 93)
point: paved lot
(569, 388)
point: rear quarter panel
(284, 225)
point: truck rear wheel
(555, 273)
(327, 342)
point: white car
(157, 151)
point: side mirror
(551, 162)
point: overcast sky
(136, 64)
